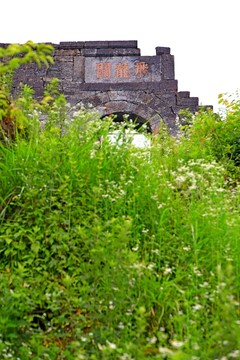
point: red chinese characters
(141, 68)
(103, 70)
(121, 70)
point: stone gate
(114, 78)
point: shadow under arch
(137, 121)
(139, 112)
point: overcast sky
(204, 35)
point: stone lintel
(71, 45)
(109, 52)
(170, 85)
(111, 44)
(118, 52)
(96, 44)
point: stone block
(163, 86)
(110, 44)
(94, 87)
(66, 52)
(71, 45)
(38, 91)
(79, 68)
(123, 44)
(70, 88)
(183, 94)
(128, 86)
(35, 82)
(96, 44)
(186, 102)
(167, 65)
(156, 102)
(63, 58)
(64, 70)
(162, 50)
(103, 96)
(169, 97)
(91, 52)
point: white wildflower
(234, 354)
(165, 351)
(176, 343)
(152, 340)
(111, 306)
(125, 356)
(197, 307)
(204, 285)
(151, 266)
(111, 345)
(135, 248)
(167, 271)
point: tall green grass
(113, 252)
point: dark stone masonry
(114, 78)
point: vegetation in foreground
(113, 252)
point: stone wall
(113, 77)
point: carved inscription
(103, 70)
(121, 70)
(141, 68)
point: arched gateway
(114, 78)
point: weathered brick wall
(113, 77)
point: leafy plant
(13, 117)
(215, 136)
(109, 251)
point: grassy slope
(109, 252)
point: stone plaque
(121, 69)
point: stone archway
(141, 112)
(114, 77)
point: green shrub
(215, 136)
(14, 113)
(113, 252)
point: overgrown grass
(113, 252)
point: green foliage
(214, 136)
(113, 252)
(15, 55)
(13, 119)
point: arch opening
(137, 120)
(136, 137)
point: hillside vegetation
(109, 251)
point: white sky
(203, 35)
